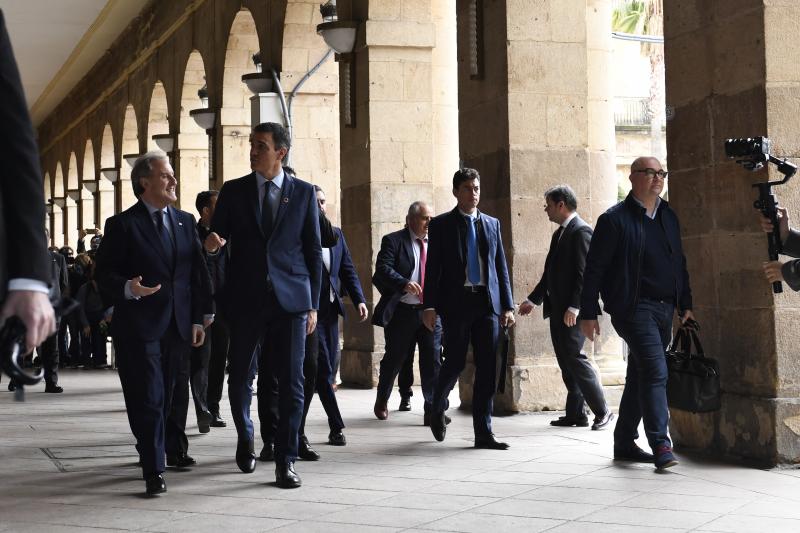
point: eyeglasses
(652, 173)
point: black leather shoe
(267, 453)
(217, 421)
(602, 422)
(180, 460)
(438, 426)
(634, 453)
(54, 389)
(405, 404)
(155, 484)
(286, 477)
(305, 451)
(488, 442)
(336, 438)
(246, 457)
(204, 421)
(566, 421)
(426, 420)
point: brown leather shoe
(381, 409)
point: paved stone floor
(67, 465)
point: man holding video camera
(790, 238)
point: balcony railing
(631, 112)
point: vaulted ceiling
(57, 42)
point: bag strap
(678, 341)
(696, 341)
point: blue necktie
(473, 265)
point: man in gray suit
(559, 290)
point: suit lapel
(484, 244)
(284, 200)
(253, 193)
(406, 245)
(177, 233)
(148, 228)
(457, 219)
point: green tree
(646, 18)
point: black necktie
(163, 233)
(266, 212)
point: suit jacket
(445, 269)
(293, 252)
(342, 276)
(562, 279)
(131, 247)
(23, 247)
(393, 268)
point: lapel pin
(286, 199)
(180, 223)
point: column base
(763, 431)
(360, 368)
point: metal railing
(631, 112)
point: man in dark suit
(560, 292)
(268, 413)
(467, 284)
(400, 278)
(272, 292)
(338, 277)
(49, 352)
(24, 261)
(150, 267)
(218, 334)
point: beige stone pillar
(88, 204)
(387, 153)
(191, 160)
(58, 222)
(105, 201)
(71, 221)
(531, 117)
(444, 72)
(315, 107)
(607, 349)
(733, 73)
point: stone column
(191, 160)
(732, 73)
(58, 223)
(71, 221)
(607, 349)
(532, 116)
(387, 153)
(444, 74)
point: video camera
(755, 152)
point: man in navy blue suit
(338, 277)
(400, 277)
(271, 220)
(150, 267)
(467, 284)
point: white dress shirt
(413, 299)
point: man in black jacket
(636, 265)
(560, 290)
(24, 261)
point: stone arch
(193, 142)
(130, 148)
(234, 130)
(88, 188)
(105, 188)
(158, 115)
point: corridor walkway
(67, 465)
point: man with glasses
(636, 265)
